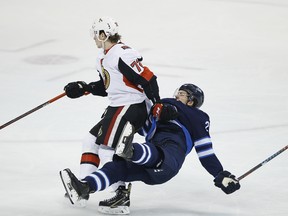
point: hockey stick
(33, 110)
(262, 163)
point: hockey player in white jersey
(130, 87)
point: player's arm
(97, 88)
(207, 156)
(203, 146)
(141, 75)
(222, 178)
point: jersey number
(137, 64)
(207, 125)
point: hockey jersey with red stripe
(125, 78)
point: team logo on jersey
(106, 77)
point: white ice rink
(235, 50)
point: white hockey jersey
(120, 90)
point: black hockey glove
(151, 90)
(227, 182)
(76, 89)
(164, 112)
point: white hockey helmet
(106, 24)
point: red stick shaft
(33, 110)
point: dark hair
(113, 38)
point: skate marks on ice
(70, 73)
(24, 48)
(51, 59)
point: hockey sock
(89, 160)
(97, 181)
(109, 174)
(146, 154)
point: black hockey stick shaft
(33, 110)
(263, 163)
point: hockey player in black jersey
(179, 126)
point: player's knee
(105, 155)
(116, 171)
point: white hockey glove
(227, 182)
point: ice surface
(236, 51)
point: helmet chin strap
(102, 41)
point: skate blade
(71, 194)
(80, 203)
(120, 210)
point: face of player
(182, 96)
(98, 42)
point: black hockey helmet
(195, 94)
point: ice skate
(76, 191)
(82, 202)
(119, 204)
(124, 148)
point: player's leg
(111, 128)
(89, 160)
(99, 180)
(90, 156)
(110, 173)
(146, 154)
(162, 157)
(114, 125)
